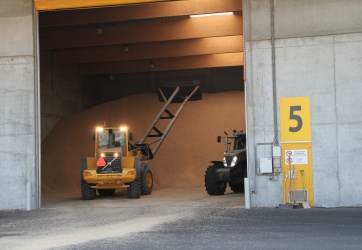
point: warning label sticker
(296, 157)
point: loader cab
(111, 139)
(235, 142)
(240, 140)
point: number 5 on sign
(295, 119)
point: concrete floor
(176, 219)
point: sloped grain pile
(180, 161)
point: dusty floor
(165, 197)
(65, 220)
(178, 219)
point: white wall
(318, 51)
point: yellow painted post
(296, 150)
(297, 172)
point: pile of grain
(180, 161)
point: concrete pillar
(318, 53)
(19, 107)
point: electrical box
(277, 159)
(266, 165)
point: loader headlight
(234, 161)
(225, 163)
(102, 155)
(115, 155)
(123, 128)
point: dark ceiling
(158, 36)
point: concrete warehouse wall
(318, 53)
(19, 128)
(61, 92)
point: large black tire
(237, 188)
(213, 187)
(88, 193)
(146, 181)
(106, 192)
(134, 190)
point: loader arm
(183, 93)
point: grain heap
(181, 160)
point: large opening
(106, 64)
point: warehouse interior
(105, 64)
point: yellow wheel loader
(116, 164)
(119, 164)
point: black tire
(146, 181)
(213, 187)
(237, 188)
(134, 190)
(106, 192)
(88, 193)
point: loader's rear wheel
(134, 190)
(88, 193)
(106, 192)
(146, 181)
(214, 187)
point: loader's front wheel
(88, 193)
(134, 190)
(146, 181)
(214, 187)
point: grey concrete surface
(18, 107)
(317, 18)
(304, 18)
(176, 218)
(318, 47)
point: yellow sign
(297, 173)
(295, 119)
